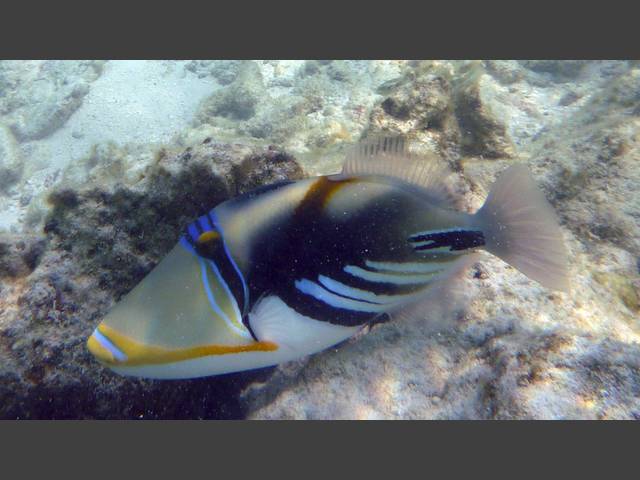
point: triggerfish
(293, 268)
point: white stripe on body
(405, 267)
(319, 293)
(379, 277)
(359, 294)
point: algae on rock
(11, 162)
(101, 239)
(57, 86)
(482, 133)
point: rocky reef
(498, 345)
(95, 248)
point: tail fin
(521, 228)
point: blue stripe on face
(232, 298)
(106, 343)
(212, 301)
(316, 291)
(184, 243)
(205, 223)
(209, 222)
(245, 289)
(193, 231)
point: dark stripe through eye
(213, 249)
(455, 240)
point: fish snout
(104, 349)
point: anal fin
(440, 297)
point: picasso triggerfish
(293, 268)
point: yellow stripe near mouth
(141, 354)
(99, 351)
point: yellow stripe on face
(100, 351)
(140, 354)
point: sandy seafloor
(103, 162)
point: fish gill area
(102, 164)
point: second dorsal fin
(390, 157)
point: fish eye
(207, 243)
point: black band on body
(456, 240)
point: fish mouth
(104, 348)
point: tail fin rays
(521, 228)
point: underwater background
(103, 163)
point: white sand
(141, 102)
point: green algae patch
(622, 286)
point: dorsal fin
(390, 157)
